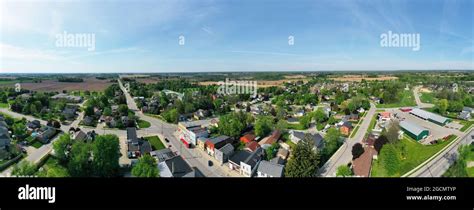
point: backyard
(155, 142)
(415, 154)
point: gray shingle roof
(272, 169)
(227, 149)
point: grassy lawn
(37, 144)
(143, 124)
(373, 121)
(408, 99)
(470, 171)
(466, 124)
(428, 98)
(354, 131)
(155, 116)
(416, 154)
(155, 142)
(3, 105)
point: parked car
(167, 141)
(210, 163)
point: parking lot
(436, 131)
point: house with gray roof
(163, 154)
(177, 167)
(222, 154)
(269, 169)
(245, 161)
(296, 136)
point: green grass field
(466, 124)
(416, 154)
(37, 144)
(408, 99)
(428, 98)
(3, 105)
(354, 131)
(143, 124)
(155, 142)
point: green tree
(19, 130)
(106, 151)
(332, 143)
(24, 168)
(344, 171)
(442, 106)
(263, 125)
(231, 125)
(79, 165)
(305, 121)
(54, 171)
(390, 159)
(320, 116)
(392, 131)
(107, 111)
(304, 160)
(61, 147)
(145, 167)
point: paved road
(438, 166)
(35, 155)
(344, 154)
(416, 92)
(167, 130)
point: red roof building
(363, 164)
(247, 138)
(252, 146)
(273, 138)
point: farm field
(358, 78)
(90, 84)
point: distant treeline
(70, 79)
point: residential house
(33, 125)
(252, 146)
(269, 169)
(273, 138)
(177, 167)
(245, 161)
(296, 136)
(464, 115)
(385, 116)
(69, 113)
(346, 128)
(88, 121)
(283, 153)
(247, 138)
(163, 154)
(136, 146)
(215, 143)
(201, 114)
(5, 139)
(46, 135)
(222, 154)
(362, 165)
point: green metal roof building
(414, 131)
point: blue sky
(235, 35)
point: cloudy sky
(234, 35)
